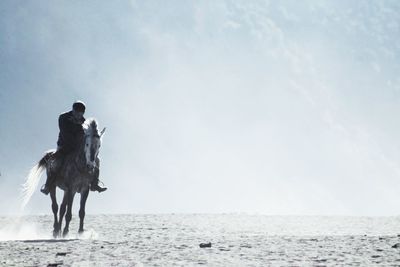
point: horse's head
(92, 143)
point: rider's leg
(55, 166)
(94, 186)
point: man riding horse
(71, 132)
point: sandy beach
(173, 240)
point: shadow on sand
(49, 240)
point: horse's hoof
(81, 231)
(56, 233)
(65, 233)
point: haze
(271, 107)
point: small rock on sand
(205, 245)
(397, 245)
(61, 254)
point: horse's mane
(90, 127)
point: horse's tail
(32, 181)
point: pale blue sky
(275, 107)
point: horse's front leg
(54, 207)
(84, 197)
(63, 208)
(68, 216)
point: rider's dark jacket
(71, 132)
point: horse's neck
(79, 157)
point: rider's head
(78, 109)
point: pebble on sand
(205, 245)
(61, 254)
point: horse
(74, 176)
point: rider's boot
(94, 186)
(46, 187)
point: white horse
(74, 176)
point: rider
(71, 132)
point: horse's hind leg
(68, 216)
(84, 197)
(54, 207)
